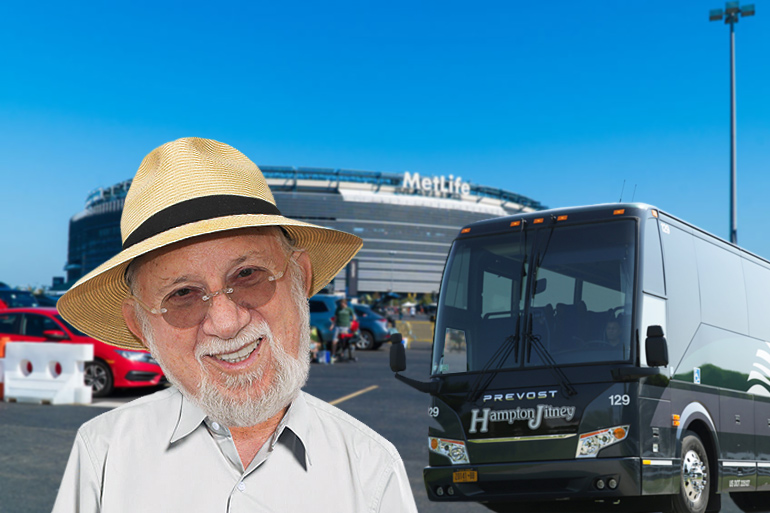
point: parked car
(382, 307)
(322, 307)
(12, 298)
(373, 326)
(45, 300)
(112, 367)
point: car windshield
(516, 299)
(18, 298)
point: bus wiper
(534, 341)
(511, 343)
(537, 263)
(498, 358)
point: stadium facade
(407, 221)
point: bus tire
(695, 482)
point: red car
(112, 367)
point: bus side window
(653, 260)
(723, 296)
(456, 294)
(757, 281)
(682, 289)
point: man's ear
(307, 270)
(129, 315)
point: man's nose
(225, 318)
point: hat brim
(94, 303)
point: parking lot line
(354, 394)
(106, 404)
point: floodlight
(732, 8)
(747, 10)
(715, 15)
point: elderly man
(214, 282)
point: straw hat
(184, 189)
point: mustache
(215, 345)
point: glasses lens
(185, 307)
(252, 287)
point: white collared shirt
(161, 453)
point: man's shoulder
(150, 409)
(351, 429)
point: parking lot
(36, 439)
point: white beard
(242, 400)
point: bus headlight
(591, 443)
(453, 449)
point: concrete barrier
(3, 341)
(42, 372)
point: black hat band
(199, 209)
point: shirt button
(241, 486)
(215, 426)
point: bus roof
(582, 213)
(588, 213)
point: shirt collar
(190, 417)
(298, 420)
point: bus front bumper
(594, 479)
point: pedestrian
(316, 346)
(343, 318)
(214, 282)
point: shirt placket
(223, 438)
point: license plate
(465, 476)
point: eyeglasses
(250, 287)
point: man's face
(613, 331)
(234, 362)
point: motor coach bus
(603, 357)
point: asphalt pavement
(394, 410)
(36, 439)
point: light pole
(730, 15)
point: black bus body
(603, 357)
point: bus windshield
(560, 293)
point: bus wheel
(695, 484)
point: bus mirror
(540, 285)
(398, 364)
(397, 353)
(656, 348)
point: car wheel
(366, 340)
(99, 377)
(694, 486)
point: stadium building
(407, 221)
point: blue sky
(560, 101)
